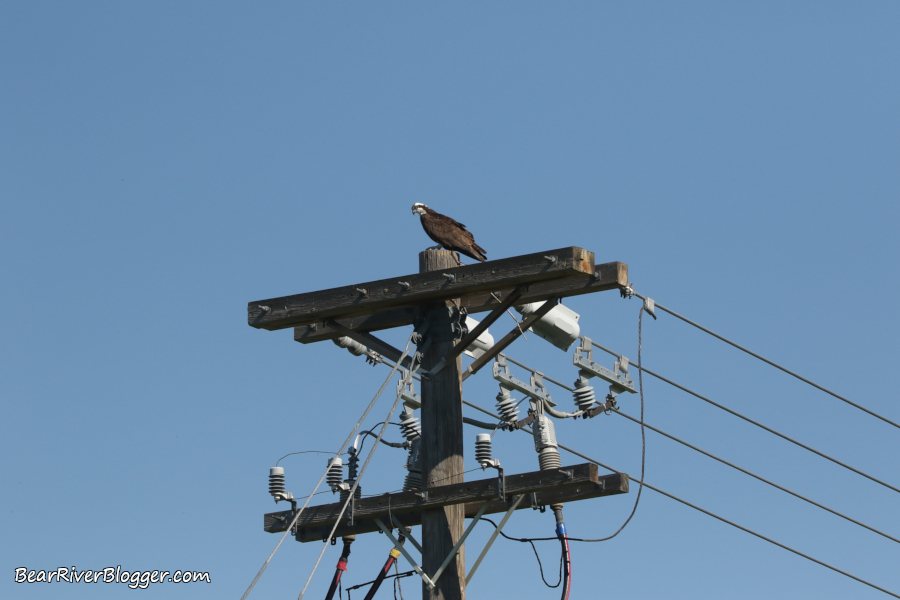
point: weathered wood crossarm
(607, 485)
(420, 288)
(608, 276)
(444, 495)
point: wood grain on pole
(442, 445)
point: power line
(708, 513)
(751, 421)
(755, 476)
(338, 453)
(362, 471)
(776, 365)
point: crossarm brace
(509, 338)
(464, 343)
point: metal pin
(363, 292)
(265, 309)
(552, 259)
(404, 284)
(451, 277)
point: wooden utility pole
(442, 443)
(433, 298)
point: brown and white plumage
(448, 233)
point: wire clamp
(627, 291)
(650, 307)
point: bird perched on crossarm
(448, 234)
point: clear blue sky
(162, 164)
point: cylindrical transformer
(335, 473)
(276, 481)
(483, 449)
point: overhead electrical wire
(338, 453)
(774, 364)
(751, 421)
(755, 476)
(362, 471)
(702, 510)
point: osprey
(448, 233)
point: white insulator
(507, 407)
(335, 473)
(409, 426)
(352, 346)
(276, 481)
(583, 395)
(483, 449)
(549, 459)
(544, 432)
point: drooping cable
(301, 452)
(338, 453)
(776, 365)
(362, 471)
(641, 368)
(686, 503)
(724, 520)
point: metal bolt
(451, 277)
(265, 309)
(404, 284)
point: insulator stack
(483, 450)
(346, 493)
(413, 479)
(545, 443)
(335, 473)
(352, 468)
(352, 346)
(276, 481)
(549, 459)
(583, 394)
(507, 407)
(409, 426)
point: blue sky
(162, 164)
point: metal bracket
(501, 482)
(618, 382)
(408, 393)
(536, 390)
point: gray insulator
(549, 459)
(413, 481)
(276, 481)
(346, 493)
(507, 407)
(352, 346)
(583, 395)
(335, 473)
(414, 466)
(544, 432)
(352, 468)
(483, 449)
(409, 426)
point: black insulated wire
(776, 365)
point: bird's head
(419, 208)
